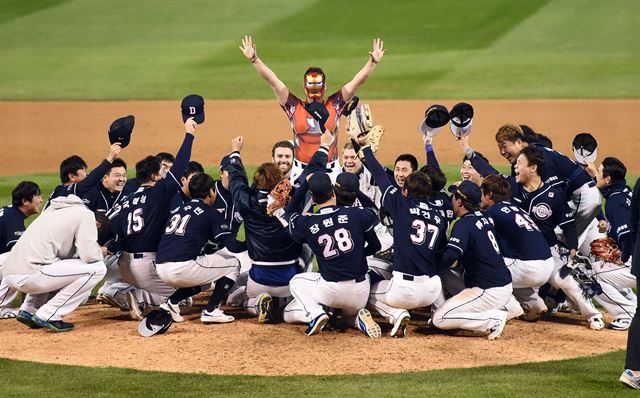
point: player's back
(518, 235)
(482, 261)
(11, 227)
(419, 232)
(187, 230)
(336, 235)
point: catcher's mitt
(606, 249)
(279, 196)
(359, 122)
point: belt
(356, 280)
(407, 277)
(591, 184)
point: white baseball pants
(203, 271)
(73, 278)
(612, 279)
(527, 277)
(311, 292)
(140, 270)
(7, 293)
(473, 309)
(403, 292)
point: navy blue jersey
(518, 235)
(268, 242)
(140, 219)
(547, 206)
(441, 201)
(473, 242)
(102, 200)
(80, 189)
(189, 227)
(225, 206)
(419, 230)
(131, 185)
(337, 236)
(178, 199)
(11, 227)
(617, 211)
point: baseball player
(139, 222)
(26, 201)
(182, 195)
(282, 156)
(474, 245)
(615, 276)
(558, 169)
(166, 161)
(341, 238)
(547, 207)
(310, 117)
(274, 254)
(179, 262)
(58, 252)
(418, 233)
(352, 164)
(74, 177)
(102, 199)
(524, 248)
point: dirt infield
(105, 337)
(36, 136)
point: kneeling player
(179, 262)
(341, 238)
(418, 233)
(474, 245)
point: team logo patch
(542, 211)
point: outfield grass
(122, 50)
(583, 377)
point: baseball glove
(279, 196)
(606, 249)
(359, 122)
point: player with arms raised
(310, 117)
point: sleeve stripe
(457, 247)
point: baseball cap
(193, 106)
(224, 163)
(461, 119)
(467, 190)
(320, 184)
(585, 148)
(435, 117)
(121, 129)
(156, 322)
(348, 182)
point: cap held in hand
(121, 129)
(193, 106)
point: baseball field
(68, 68)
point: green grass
(120, 50)
(583, 377)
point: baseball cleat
(317, 324)
(596, 323)
(265, 302)
(135, 308)
(215, 316)
(629, 379)
(173, 310)
(120, 303)
(400, 325)
(496, 330)
(55, 326)
(620, 324)
(367, 325)
(27, 319)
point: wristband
(254, 59)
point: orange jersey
(306, 139)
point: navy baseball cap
(121, 129)
(320, 184)
(435, 117)
(585, 148)
(156, 322)
(224, 163)
(193, 106)
(348, 182)
(467, 190)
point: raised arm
(431, 155)
(281, 91)
(94, 178)
(375, 56)
(238, 183)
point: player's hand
(463, 142)
(114, 152)
(573, 253)
(190, 125)
(591, 169)
(427, 139)
(378, 51)
(603, 226)
(248, 48)
(326, 138)
(237, 143)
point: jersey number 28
(340, 242)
